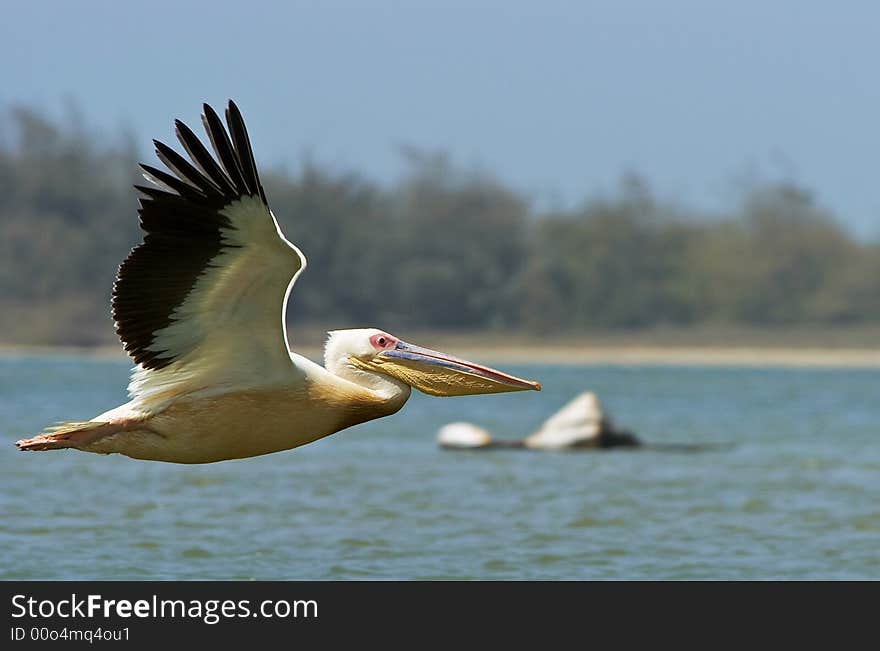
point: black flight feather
(184, 170)
(182, 188)
(202, 158)
(243, 150)
(183, 228)
(223, 147)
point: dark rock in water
(612, 437)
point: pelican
(200, 307)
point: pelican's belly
(238, 424)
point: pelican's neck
(382, 386)
(384, 389)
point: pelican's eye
(383, 341)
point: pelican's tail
(68, 435)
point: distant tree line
(443, 248)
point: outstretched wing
(201, 303)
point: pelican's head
(437, 374)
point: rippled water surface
(792, 489)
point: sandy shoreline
(731, 356)
(702, 356)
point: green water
(796, 494)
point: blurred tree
(795, 250)
(459, 247)
(66, 221)
(443, 248)
(616, 263)
(340, 223)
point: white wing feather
(201, 303)
(233, 321)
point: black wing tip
(232, 107)
(242, 144)
(161, 147)
(242, 180)
(181, 127)
(164, 152)
(208, 111)
(230, 110)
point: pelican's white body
(213, 425)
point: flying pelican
(200, 306)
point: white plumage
(200, 305)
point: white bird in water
(200, 306)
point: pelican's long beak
(439, 374)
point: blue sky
(557, 99)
